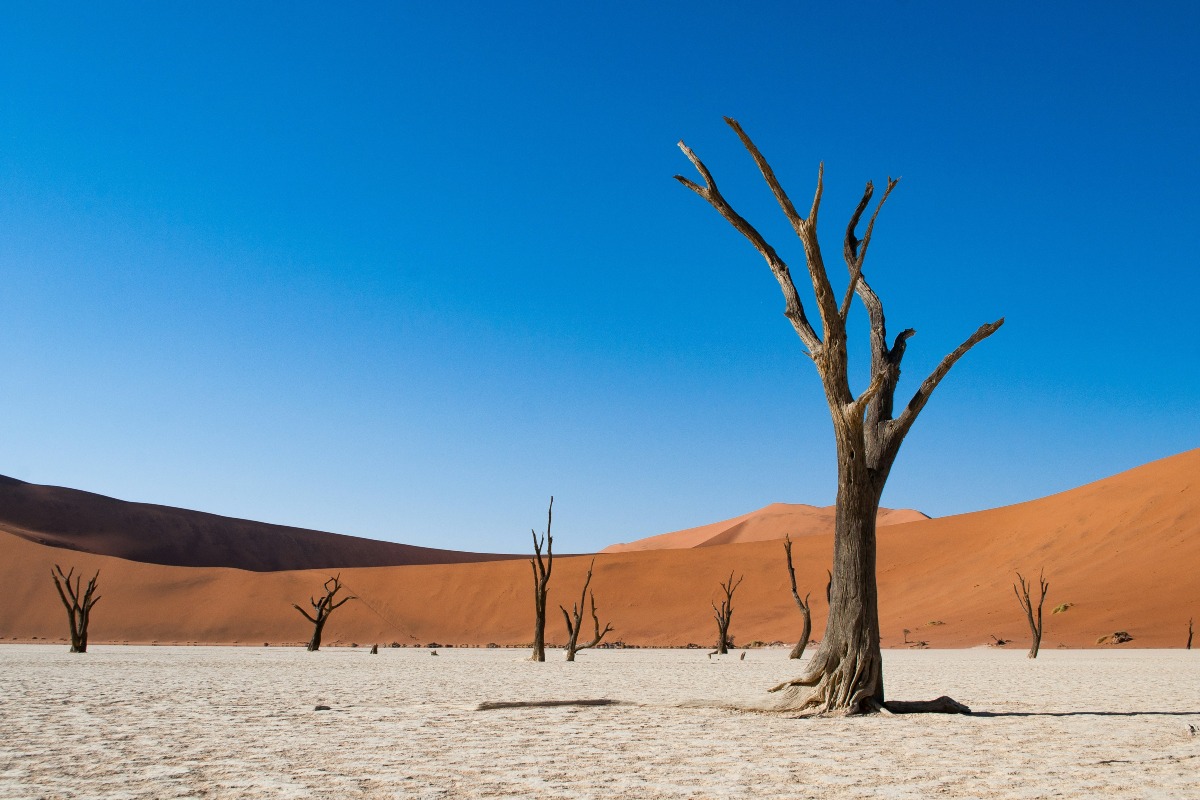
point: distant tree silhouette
(846, 674)
(804, 606)
(79, 606)
(1034, 618)
(574, 620)
(322, 609)
(541, 580)
(725, 613)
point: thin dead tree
(725, 613)
(541, 579)
(322, 608)
(574, 619)
(1035, 619)
(79, 605)
(846, 674)
(804, 606)
(1189, 641)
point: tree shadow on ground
(1085, 713)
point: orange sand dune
(770, 522)
(1124, 552)
(163, 535)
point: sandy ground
(161, 722)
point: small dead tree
(322, 609)
(804, 606)
(1189, 641)
(725, 613)
(79, 606)
(1035, 621)
(541, 579)
(574, 620)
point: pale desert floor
(160, 722)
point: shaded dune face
(1123, 552)
(93, 523)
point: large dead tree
(574, 619)
(724, 613)
(78, 604)
(1034, 618)
(322, 608)
(846, 675)
(804, 605)
(541, 579)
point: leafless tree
(723, 614)
(574, 620)
(804, 606)
(1034, 618)
(322, 608)
(541, 579)
(79, 606)
(1189, 641)
(846, 674)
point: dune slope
(769, 522)
(1122, 552)
(93, 523)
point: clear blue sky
(404, 271)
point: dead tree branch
(725, 613)
(804, 605)
(541, 579)
(574, 620)
(78, 605)
(1034, 619)
(322, 608)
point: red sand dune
(97, 524)
(769, 522)
(1124, 552)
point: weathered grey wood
(79, 605)
(724, 613)
(1035, 621)
(804, 605)
(322, 609)
(845, 675)
(541, 580)
(492, 705)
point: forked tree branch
(909, 415)
(855, 252)
(806, 229)
(794, 308)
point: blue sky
(404, 271)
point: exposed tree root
(942, 705)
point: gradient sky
(406, 270)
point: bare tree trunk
(574, 620)
(804, 605)
(725, 613)
(541, 579)
(846, 673)
(322, 609)
(1035, 622)
(78, 605)
(1189, 641)
(845, 676)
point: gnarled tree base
(836, 683)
